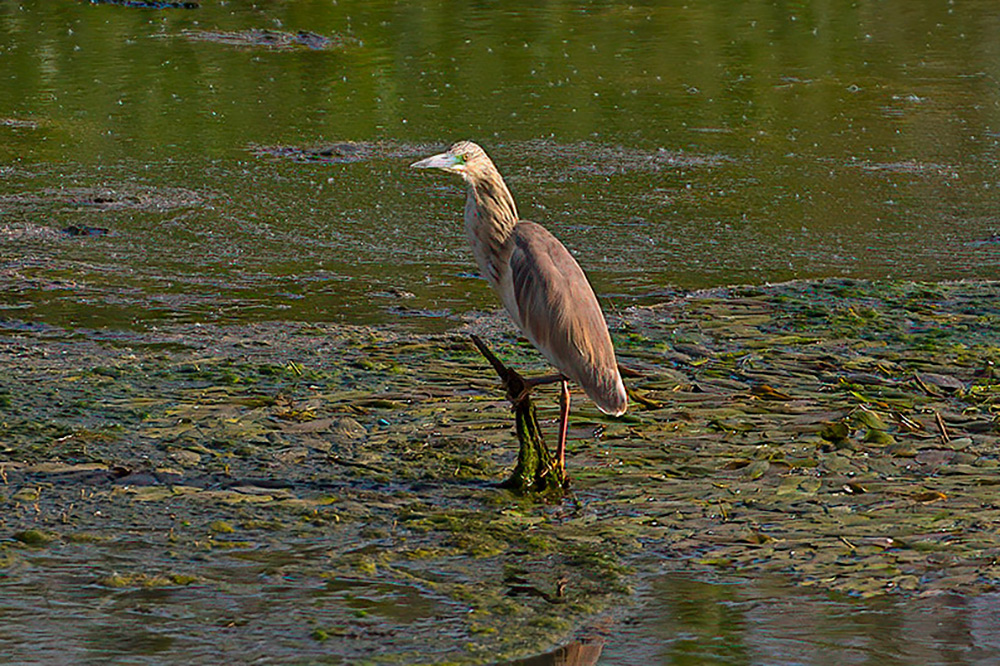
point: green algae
(146, 580)
(819, 430)
(221, 527)
(35, 538)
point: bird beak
(441, 161)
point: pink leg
(563, 427)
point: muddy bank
(330, 489)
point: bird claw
(520, 397)
(519, 388)
(559, 471)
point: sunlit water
(687, 621)
(684, 620)
(669, 145)
(64, 617)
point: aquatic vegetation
(842, 433)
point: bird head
(465, 158)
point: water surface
(692, 621)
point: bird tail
(611, 399)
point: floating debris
(993, 239)
(18, 123)
(84, 230)
(911, 167)
(272, 39)
(112, 197)
(342, 152)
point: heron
(540, 284)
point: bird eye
(465, 157)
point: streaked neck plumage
(490, 217)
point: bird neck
(491, 206)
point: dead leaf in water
(767, 392)
(929, 496)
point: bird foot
(525, 385)
(558, 471)
(521, 397)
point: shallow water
(678, 619)
(669, 145)
(690, 621)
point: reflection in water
(686, 621)
(54, 613)
(575, 654)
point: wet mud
(335, 488)
(114, 197)
(595, 158)
(272, 39)
(30, 214)
(563, 159)
(147, 4)
(343, 152)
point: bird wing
(558, 311)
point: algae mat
(318, 494)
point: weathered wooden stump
(537, 471)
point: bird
(540, 284)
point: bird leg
(563, 427)
(559, 464)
